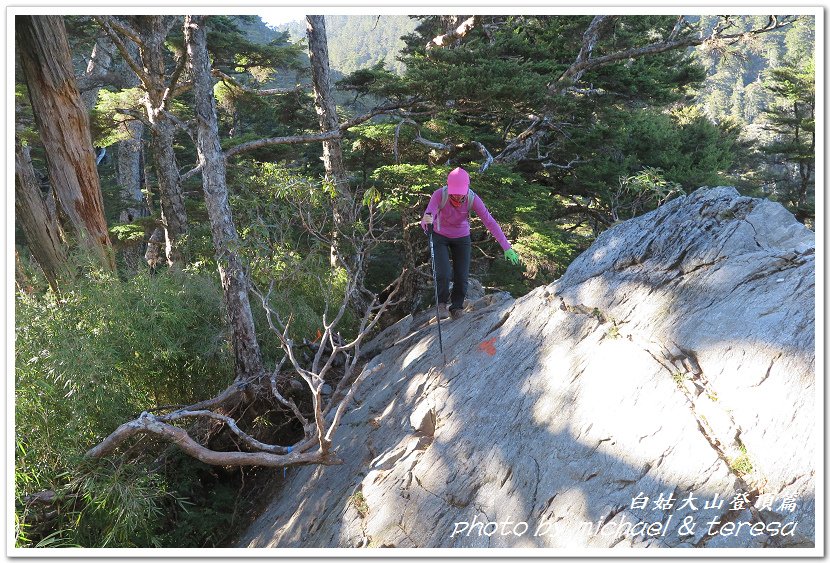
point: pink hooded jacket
(455, 222)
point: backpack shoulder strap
(445, 195)
(471, 195)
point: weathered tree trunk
(99, 65)
(64, 129)
(128, 168)
(128, 151)
(327, 115)
(129, 178)
(225, 238)
(154, 254)
(173, 215)
(39, 225)
(149, 33)
(21, 278)
(128, 173)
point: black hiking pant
(459, 249)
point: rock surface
(674, 362)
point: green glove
(511, 255)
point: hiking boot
(456, 313)
(443, 312)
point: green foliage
(506, 70)
(800, 39)
(375, 80)
(104, 352)
(232, 50)
(81, 32)
(402, 185)
(359, 502)
(791, 118)
(107, 125)
(279, 249)
(486, 84)
(247, 117)
(101, 353)
(128, 232)
(208, 505)
(687, 147)
(743, 463)
(733, 87)
(522, 210)
(755, 84)
(120, 504)
(520, 207)
(644, 190)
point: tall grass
(89, 360)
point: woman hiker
(449, 214)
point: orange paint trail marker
(488, 347)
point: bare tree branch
(488, 158)
(135, 114)
(589, 40)
(189, 127)
(568, 166)
(150, 424)
(578, 207)
(170, 90)
(681, 20)
(585, 91)
(519, 147)
(344, 404)
(310, 138)
(249, 440)
(348, 124)
(365, 328)
(316, 377)
(181, 88)
(458, 33)
(290, 140)
(110, 24)
(300, 139)
(256, 91)
(229, 396)
(288, 403)
(86, 83)
(122, 27)
(453, 149)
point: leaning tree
(63, 125)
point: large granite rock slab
(660, 394)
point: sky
(276, 16)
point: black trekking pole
(435, 284)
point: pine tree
(791, 118)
